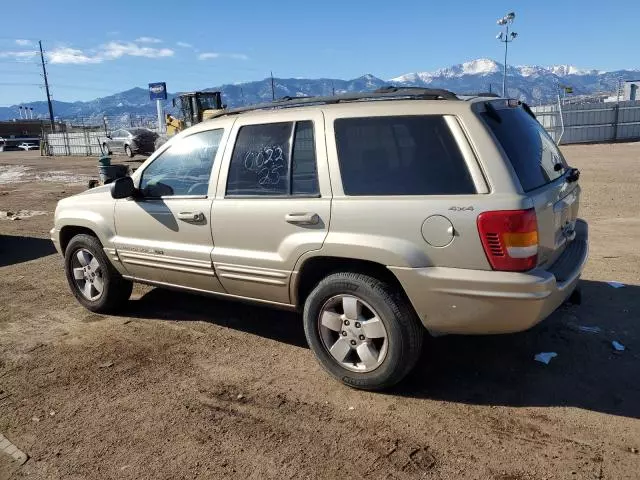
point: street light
(506, 37)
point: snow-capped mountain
(531, 83)
(486, 66)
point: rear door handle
(302, 218)
(191, 216)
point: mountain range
(533, 84)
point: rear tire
(396, 347)
(128, 151)
(99, 288)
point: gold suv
(377, 215)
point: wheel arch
(312, 270)
(69, 231)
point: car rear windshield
(530, 149)
(400, 155)
(140, 131)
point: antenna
(46, 86)
(273, 88)
(242, 96)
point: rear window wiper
(574, 175)
(492, 113)
(527, 109)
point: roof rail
(482, 94)
(384, 93)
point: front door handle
(307, 218)
(191, 216)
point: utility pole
(273, 88)
(46, 86)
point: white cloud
(148, 40)
(24, 43)
(184, 45)
(66, 55)
(74, 56)
(212, 55)
(114, 50)
(208, 55)
(20, 56)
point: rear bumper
(452, 300)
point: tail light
(510, 239)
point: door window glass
(184, 168)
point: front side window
(184, 168)
(274, 159)
(400, 155)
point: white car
(28, 146)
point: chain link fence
(86, 135)
(109, 123)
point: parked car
(28, 146)
(378, 216)
(130, 141)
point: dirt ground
(187, 387)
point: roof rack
(482, 94)
(384, 93)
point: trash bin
(108, 173)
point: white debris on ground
(61, 176)
(545, 357)
(22, 174)
(615, 284)
(10, 449)
(20, 214)
(12, 173)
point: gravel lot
(186, 386)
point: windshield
(139, 131)
(208, 101)
(533, 154)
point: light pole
(506, 37)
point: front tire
(362, 330)
(93, 280)
(128, 151)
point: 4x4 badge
(461, 209)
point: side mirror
(123, 188)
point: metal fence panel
(591, 122)
(75, 143)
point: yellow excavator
(193, 107)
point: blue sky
(94, 51)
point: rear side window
(530, 149)
(274, 159)
(400, 155)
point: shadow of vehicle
(279, 325)
(479, 370)
(500, 370)
(18, 249)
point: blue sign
(158, 91)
